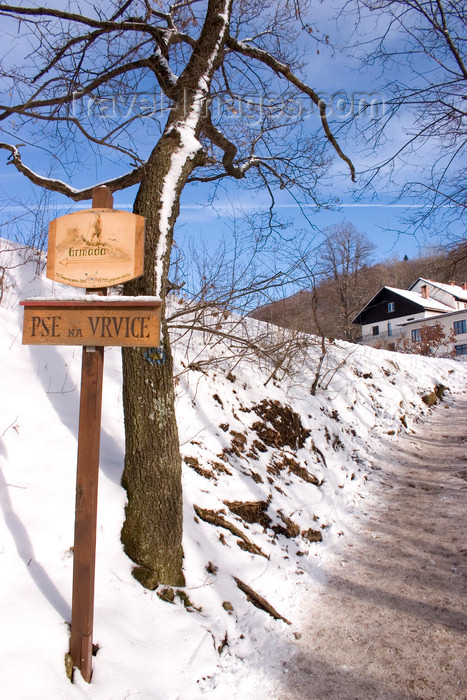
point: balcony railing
(370, 338)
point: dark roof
(412, 302)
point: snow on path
(389, 619)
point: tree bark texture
(153, 527)
(152, 531)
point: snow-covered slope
(268, 469)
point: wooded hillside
(296, 312)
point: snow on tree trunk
(152, 532)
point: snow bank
(302, 464)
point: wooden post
(102, 198)
(84, 553)
(84, 556)
(112, 252)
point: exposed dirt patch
(294, 467)
(280, 425)
(435, 395)
(193, 462)
(319, 453)
(217, 518)
(290, 530)
(256, 447)
(251, 511)
(220, 468)
(217, 398)
(283, 462)
(312, 535)
(237, 447)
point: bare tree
(345, 255)
(214, 297)
(214, 290)
(170, 93)
(419, 47)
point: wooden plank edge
(57, 303)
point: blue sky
(334, 74)
(380, 220)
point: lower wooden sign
(95, 321)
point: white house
(450, 294)
(454, 321)
(395, 313)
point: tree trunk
(152, 532)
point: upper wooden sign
(96, 248)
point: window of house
(375, 330)
(389, 329)
(416, 335)
(460, 327)
(391, 306)
(461, 349)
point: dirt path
(391, 620)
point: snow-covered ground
(303, 464)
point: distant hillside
(296, 312)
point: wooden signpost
(95, 248)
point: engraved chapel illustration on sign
(95, 248)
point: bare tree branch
(284, 70)
(118, 183)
